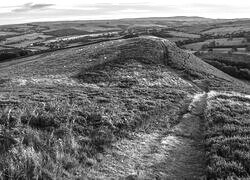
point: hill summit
(153, 50)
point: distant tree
(216, 64)
(248, 48)
(7, 55)
(243, 41)
(204, 46)
(234, 49)
(246, 35)
(248, 38)
(230, 37)
(245, 73)
(197, 53)
(131, 31)
(212, 44)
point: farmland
(37, 36)
(40, 37)
(220, 42)
(226, 30)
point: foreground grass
(49, 141)
(49, 131)
(227, 136)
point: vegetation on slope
(62, 133)
(62, 111)
(195, 69)
(236, 65)
(54, 126)
(13, 53)
(227, 136)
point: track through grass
(175, 153)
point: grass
(37, 145)
(51, 140)
(60, 131)
(62, 140)
(59, 116)
(227, 136)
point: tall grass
(49, 140)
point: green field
(218, 42)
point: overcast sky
(20, 11)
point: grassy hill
(65, 114)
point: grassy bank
(227, 136)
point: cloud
(116, 8)
(122, 6)
(37, 10)
(30, 6)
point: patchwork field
(218, 42)
(227, 30)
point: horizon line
(108, 19)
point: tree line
(237, 66)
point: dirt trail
(187, 160)
(175, 154)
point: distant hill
(131, 20)
(174, 18)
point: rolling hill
(123, 109)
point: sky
(22, 11)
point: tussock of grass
(64, 137)
(227, 137)
(50, 140)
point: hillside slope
(69, 113)
(145, 49)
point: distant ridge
(171, 18)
